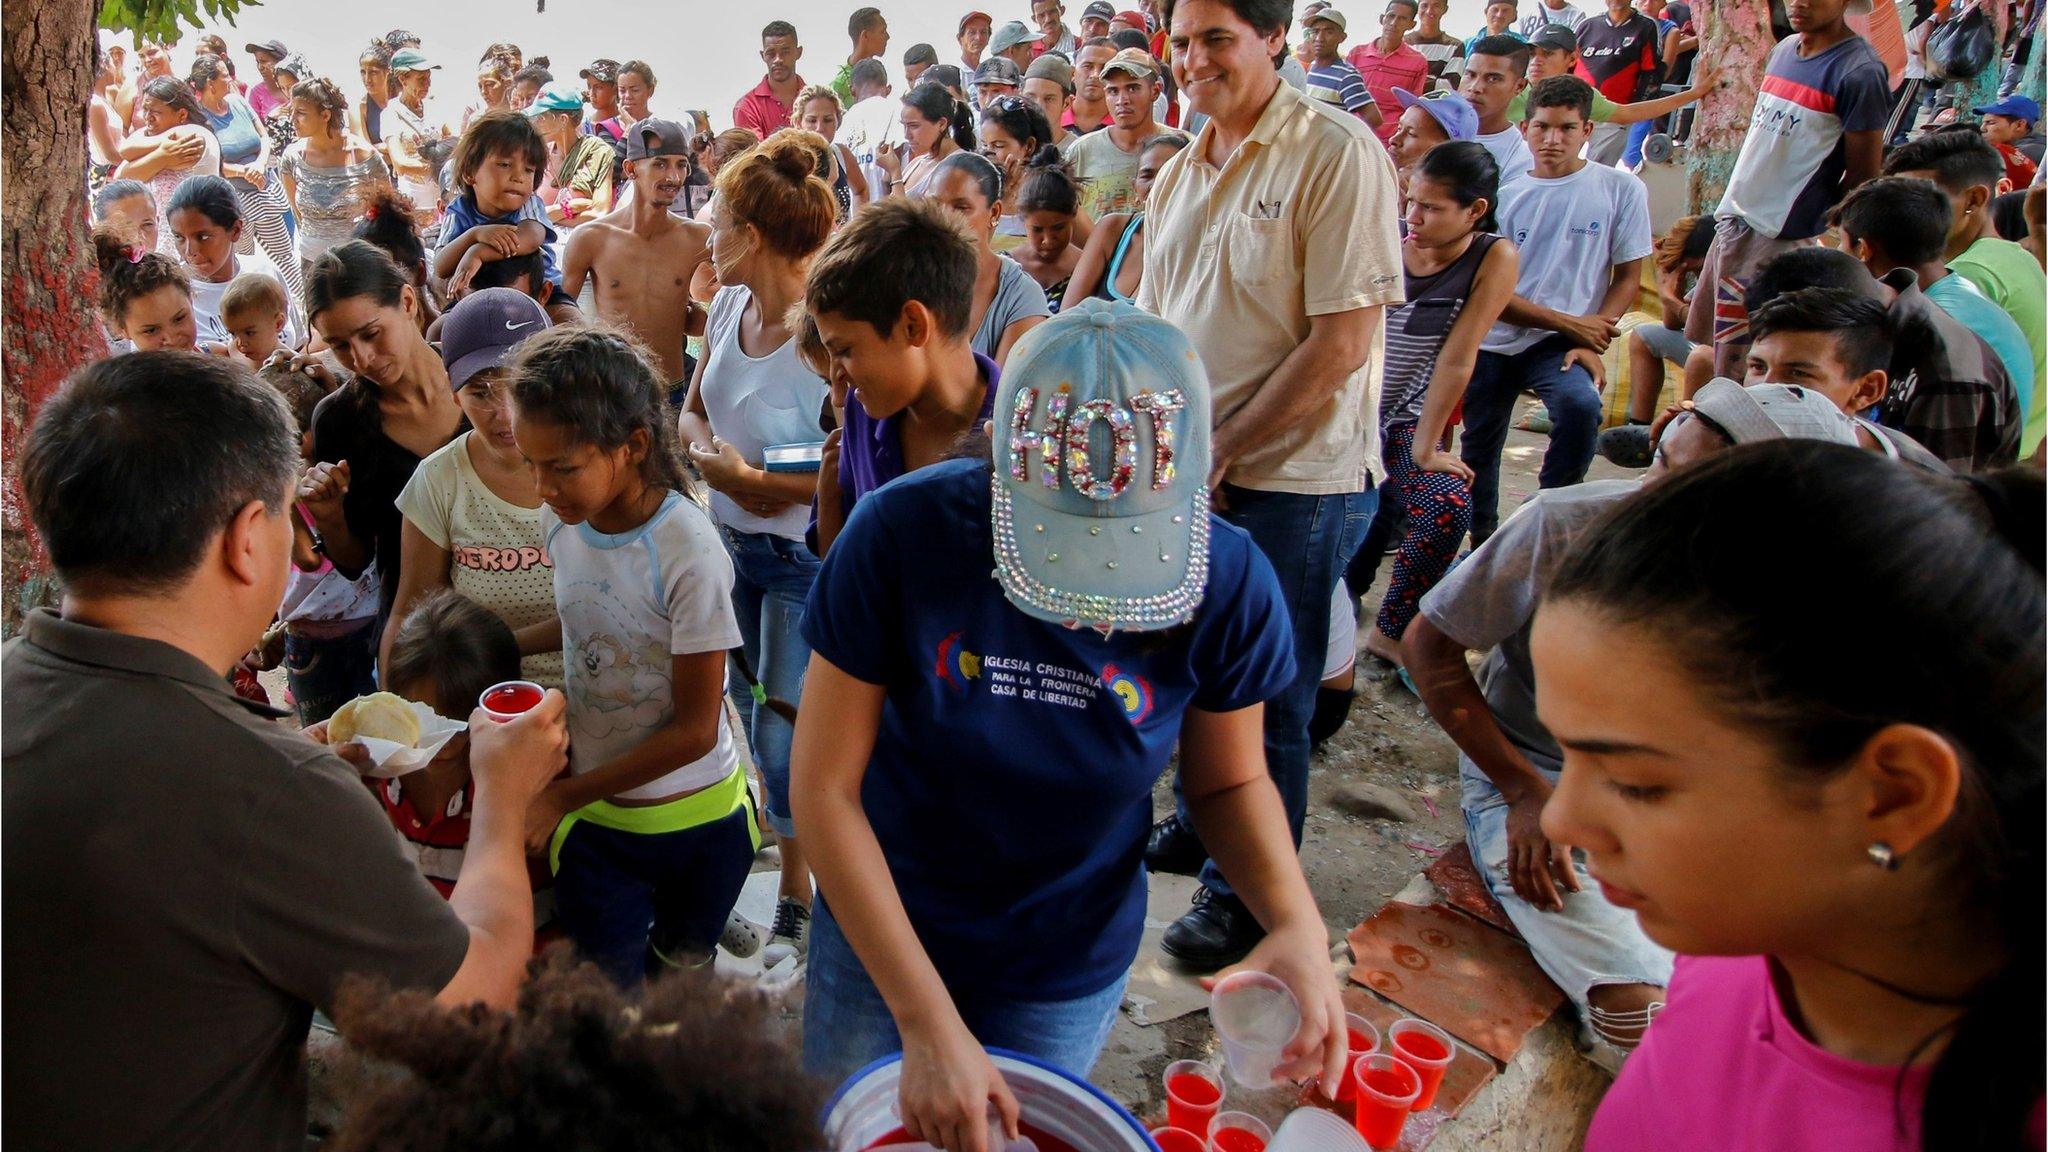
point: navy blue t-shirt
(1011, 780)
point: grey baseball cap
(656, 137)
(483, 328)
(1010, 35)
(1101, 488)
(998, 70)
(920, 54)
(1770, 412)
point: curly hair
(325, 95)
(700, 1063)
(128, 272)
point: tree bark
(49, 325)
(1738, 34)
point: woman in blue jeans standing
(751, 392)
(1004, 656)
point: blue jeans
(847, 1025)
(1497, 381)
(1632, 152)
(1307, 539)
(772, 577)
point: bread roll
(380, 715)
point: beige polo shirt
(1300, 221)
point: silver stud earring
(1881, 854)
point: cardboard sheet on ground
(1160, 988)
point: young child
(445, 654)
(329, 621)
(144, 297)
(496, 215)
(1047, 200)
(892, 294)
(653, 832)
(253, 311)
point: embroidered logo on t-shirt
(1132, 691)
(956, 665)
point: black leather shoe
(1174, 847)
(1215, 933)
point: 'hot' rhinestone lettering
(1161, 406)
(1123, 440)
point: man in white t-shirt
(1548, 12)
(1106, 162)
(1496, 71)
(1583, 230)
(875, 120)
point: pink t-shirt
(1723, 1070)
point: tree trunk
(49, 325)
(1738, 34)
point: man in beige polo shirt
(1271, 242)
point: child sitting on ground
(496, 216)
(1047, 200)
(252, 309)
(581, 1066)
(445, 654)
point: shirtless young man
(641, 257)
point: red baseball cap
(1135, 19)
(971, 17)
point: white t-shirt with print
(206, 296)
(1571, 232)
(494, 548)
(629, 602)
(1510, 151)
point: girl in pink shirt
(1805, 744)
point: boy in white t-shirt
(1583, 230)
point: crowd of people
(914, 478)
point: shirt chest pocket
(1258, 251)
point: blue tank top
(237, 132)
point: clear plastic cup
(1386, 1091)
(1313, 1130)
(1255, 1016)
(510, 698)
(1238, 1132)
(1194, 1094)
(1172, 1139)
(1424, 1047)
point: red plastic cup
(1238, 1132)
(1364, 1040)
(501, 702)
(1426, 1048)
(1194, 1092)
(1172, 1139)
(1386, 1090)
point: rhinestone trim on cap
(1142, 613)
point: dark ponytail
(346, 271)
(1048, 185)
(1466, 170)
(1957, 565)
(210, 196)
(387, 223)
(935, 103)
(1021, 119)
(987, 177)
(129, 272)
(599, 385)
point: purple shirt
(871, 450)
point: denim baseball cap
(483, 328)
(1101, 487)
(1010, 35)
(1459, 120)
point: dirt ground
(1354, 865)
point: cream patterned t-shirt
(495, 553)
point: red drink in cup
(1386, 1089)
(1193, 1094)
(1177, 1140)
(511, 698)
(1238, 1132)
(1364, 1041)
(1425, 1048)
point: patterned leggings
(1439, 507)
(263, 217)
